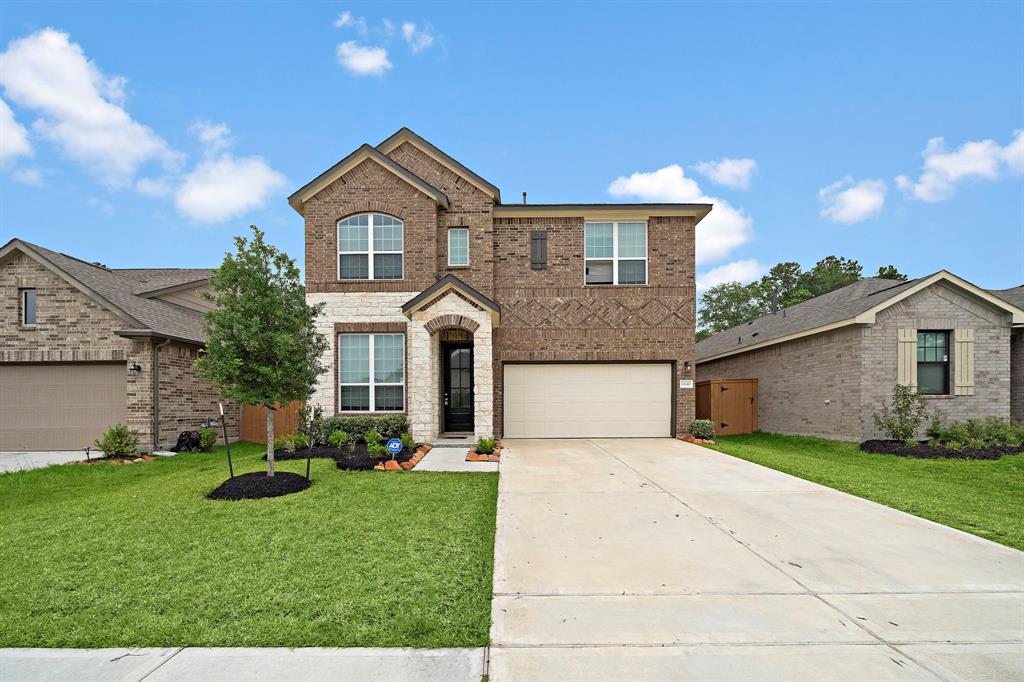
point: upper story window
(28, 307)
(615, 253)
(933, 363)
(370, 247)
(458, 246)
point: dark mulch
(925, 451)
(258, 485)
(354, 458)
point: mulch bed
(474, 456)
(358, 458)
(258, 485)
(925, 451)
(116, 460)
(696, 441)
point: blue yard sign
(394, 446)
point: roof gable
(446, 285)
(406, 135)
(364, 153)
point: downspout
(156, 392)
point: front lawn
(135, 555)
(980, 497)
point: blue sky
(149, 134)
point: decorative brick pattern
(831, 384)
(445, 321)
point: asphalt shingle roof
(835, 306)
(1014, 295)
(154, 279)
(121, 288)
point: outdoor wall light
(687, 367)
(134, 369)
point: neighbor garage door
(59, 406)
(588, 400)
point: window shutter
(963, 361)
(906, 358)
(539, 250)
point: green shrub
(207, 438)
(375, 443)
(388, 426)
(119, 441)
(300, 441)
(972, 432)
(407, 441)
(702, 428)
(902, 418)
(296, 441)
(485, 446)
(339, 439)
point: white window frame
(373, 398)
(24, 307)
(450, 231)
(615, 253)
(369, 249)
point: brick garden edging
(473, 456)
(696, 441)
(392, 465)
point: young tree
(262, 347)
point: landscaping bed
(257, 485)
(493, 456)
(924, 450)
(357, 457)
(114, 460)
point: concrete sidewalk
(659, 560)
(23, 461)
(241, 665)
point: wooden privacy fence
(254, 421)
(730, 403)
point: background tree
(890, 272)
(725, 305)
(829, 274)
(262, 347)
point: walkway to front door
(653, 559)
(458, 387)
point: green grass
(985, 498)
(104, 555)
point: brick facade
(73, 327)
(1017, 376)
(545, 314)
(831, 384)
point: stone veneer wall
(940, 307)
(807, 387)
(1017, 376)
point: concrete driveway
(655, 559)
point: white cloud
(733, 173)
(388, 27)
(723, 230)
(418, 39)
(347, 20)
(363, 61)
(943, 169)
(225, 187)
(742, 271)
(850, 202)
(79, 107)
(216, 136)
(155, 187)
(13, 136)
(29, 176)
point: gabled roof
(364, 152)
(155, 280)
(1014, 295)
(856, 303)
(446, 283)
(406, 135)
(116, 290)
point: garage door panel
(588, 400)
(59, 406)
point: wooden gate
(730, 403)
(254, 421)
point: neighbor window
(615, 253)
(371, 372)
(370, 247)
(458, 246)
(933, 363)
(28, 306)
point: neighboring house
(474, 316)
(83, 347)
(825, 366)
(1016, 297)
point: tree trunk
(270, 440)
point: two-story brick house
(470, 315)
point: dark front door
(458, 386)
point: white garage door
(588, 400)
(59, 406)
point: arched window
(370, 247)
